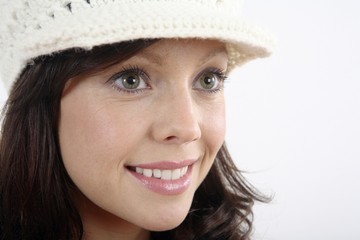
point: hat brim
(111, 23)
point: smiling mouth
(163, 174)
(166, 178)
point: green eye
(130, 80)
(208, 81)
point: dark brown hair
(35, 199)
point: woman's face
(138, 138)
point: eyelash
(130, 70)
(218, 73)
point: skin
(104, 129)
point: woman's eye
(210, 81)
(130, 81)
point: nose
(177, 119)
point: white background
(294, 120)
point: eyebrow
(152, 57)
(158, 59)
(212, 54)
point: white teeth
(175, 174)
(157, 173)
(165, 174)
(183, 171)
(147, 172)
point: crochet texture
(30, 28)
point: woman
(114, 126)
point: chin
(165, 222)
(160, 226)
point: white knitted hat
(30, 28)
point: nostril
(170, 138)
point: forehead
(203, 50)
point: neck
(99, 224)
(92, 232)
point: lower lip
(165, 187)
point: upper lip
(162, 165)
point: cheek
(213, 125)
(77, 130)
(97, 135)
(213, 134)
(89, 135)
